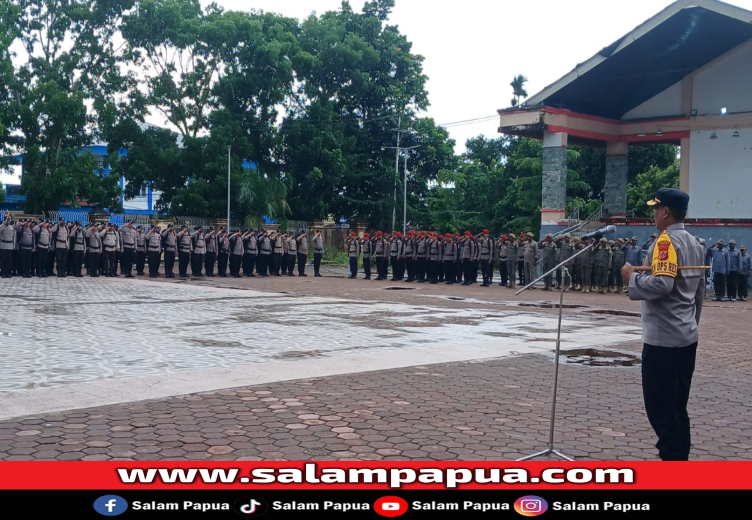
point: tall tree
(645, 184)
(8, 33)
(70, 75)
(357, 79)
(518, 89)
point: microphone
(597, 235)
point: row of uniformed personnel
(28, 247)
(429, 257)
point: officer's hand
(626, 272)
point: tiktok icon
(250, 506)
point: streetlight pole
(228, 188)
(404, 192)
(396, 171)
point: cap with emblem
(743, 247)
(567, 235)
(549, 235)
(720, 241)
(671, 198)
(732, 241)
(529, 234)
(512, 235)
(634, 238)
(604, 240)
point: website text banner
(375, 475)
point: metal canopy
(638, 67)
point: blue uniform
(720, 270)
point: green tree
(518, 89)
(356, 77)
(8, 33)
(646, 184)
(70, 76)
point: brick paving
(483, 410)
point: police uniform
(353, 253)
(198, 250)
(734, 257)
(78, 248)
(618, 259)
(141, 250)
(302, 242)
(671, 307)
(450, 254)
(170, 247)
(486, 258)
(26, 245)
(265, 253)
(466, 253)
(128, 239)
(318, 253)
(550, 251)
(210, 258)
(502, 253)
(586, 267)
(396, 252)
(238, 252)
(366, 246)
(410, 256)
(109, 246)
(60, 232)
(43, 240)
(94, 251)
(531, 258)
(421, 254)
(745, 266)
(564, 253)
(250, 253)
(602, 263)
(512, 256)
(223, 254)
(292, 254)
(720, 266)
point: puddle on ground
(550, 305)
(215, 343)
(399, 288)
(615, 313)
(600, 358)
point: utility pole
(396, 171)
(228, 187)
(404, 190)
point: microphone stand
(551, 450)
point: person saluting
(671, 306)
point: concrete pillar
(617, 162)
(554, 201)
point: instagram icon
(530, 505)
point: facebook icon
(110, 505)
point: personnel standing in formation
(170, 247)
(184, 251)
(265, 253)
(93, 251)
(550, 253)
(128, 239)
(302, 242)
(671, 306)
(352, 245)
(720, 259)
(78, 244)
(531, 257)
(745, 266)
(223, 253)
(210, 257)
(140, 250)
(109, 246)
(60, 232)
(154, 251)
(602, 265)
(238, 254)
(292, 254)
(250, 253)
(198, 250)
(318, 253)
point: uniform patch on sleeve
(664, 257)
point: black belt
(154, 250)
(8, 241)
(318, 250)
(129, 245)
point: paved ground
(338, 371)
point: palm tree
(518, 89)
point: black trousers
(42, 262)
(420, 269)
(126, 260)
(61, 256)
(317, 263)
(503, 271)
(366, 267)
(410, 268)
(353, 267)
(449, 274)
(666, 381)
(263, 264)
(77, 260)
(276, 260)
(183, 260)
(252, 259)
(235, 265)
(6, 259)
(25, 259)
(395, 268)
(741, 284)
(290, 263)
(486, 269)
(169, 263)
(302, 259)
(197, 263)
(222, 259)
(154, 261)
(246, 261)
(432, 270)
(719, 283)
(440, 270)
(94, 264)
(731, 283)
(110, 265)
(209, 261)
(521, 271)
(140, 262)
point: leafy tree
(356, 77)
(645, 185)
(71, 74)
(8, 33)
(518, 89)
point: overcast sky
(474, 48)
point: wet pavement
(330, 368)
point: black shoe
(317, 275)
(303, 274)
(77, 276)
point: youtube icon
(390, 506)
